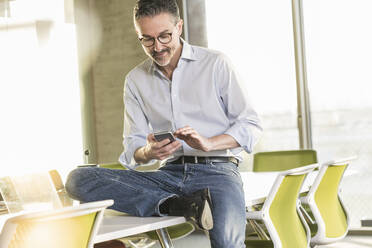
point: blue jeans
(141, 193)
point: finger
(194, 136)
(183, 137)
(171, 146)
(167, 153)
(151, 137)
(187, 126)
(186, 129)
(162, 143)
(175, 144)
(188, 132)
(161, 149)
(175, 148)
(182, 129)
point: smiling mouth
(159, 54)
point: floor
(199, 240)
(351, 242)
(196, 240)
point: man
(194, 93)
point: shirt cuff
(127, 157)
(246, 137)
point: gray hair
(150, 8)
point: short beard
(154, 53)
(161, 61)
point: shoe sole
(206, 218)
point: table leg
(164, 239)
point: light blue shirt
(204, 93)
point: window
(39, 90)
(339, 52)
(258, 38)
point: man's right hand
(156, 150)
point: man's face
(159, 26)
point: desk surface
(257, 185)
(117, 225)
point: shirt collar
(188, 53)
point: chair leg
(143, 243)
(307, 216)
(258, 229)
(164, 239)
(110, 244)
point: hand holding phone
(159, 136)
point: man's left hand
(193, 138)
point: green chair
(277, 161)
(72, 227)
(283, 160)
(175, 232)
(324, 202)
(280, 212)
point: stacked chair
(321, 206)
(330, 222)
(280, 212)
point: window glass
(339, 52)
(257, 36)
(39, 91)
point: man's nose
(157, 46)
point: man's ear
(180, 27)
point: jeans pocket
(226, 168)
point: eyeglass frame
(157, 38)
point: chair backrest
(284, 221)
(60, 188)
(283, 160)
(114, 166)
(25, 192)
(72, 227)
(325, 204)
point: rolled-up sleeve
(136, 127)
(245, 126)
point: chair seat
(175, 232)
(258, 243)
(324, 204)
(280, 212)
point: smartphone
(87, 165)
(164, 135)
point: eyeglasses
(150, 41)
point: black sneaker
(195, 207)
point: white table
(257, 185)
(118, 225)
